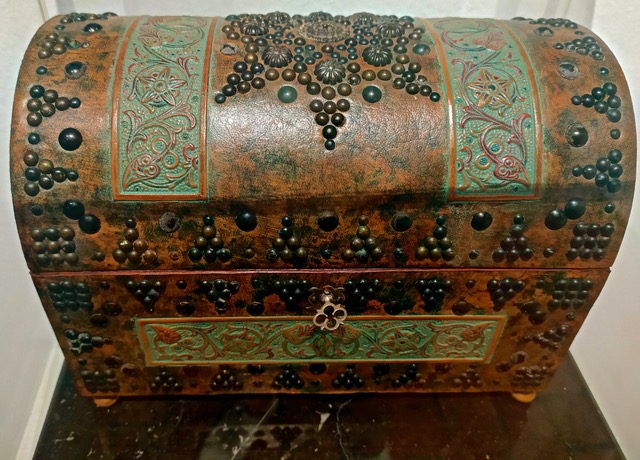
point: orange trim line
(309, 271)
(447, 84)
(536, 105)
(204, 105)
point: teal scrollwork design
(159, 108)
(494, 112)
(424, 338)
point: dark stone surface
(562, 423)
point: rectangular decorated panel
(276, 340)
(495, 126)
(158, 139)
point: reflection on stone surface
(561, 423)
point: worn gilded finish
(261, 202)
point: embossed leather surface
(271, 203)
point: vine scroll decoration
(496, 151)
(160, 92)
(427, 338)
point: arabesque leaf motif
(492, 107)
(159, 135)
(297, 340)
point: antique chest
(277, 203)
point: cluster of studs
(348, 379)
(438, 245)
(379, 371)
(552, 338)
(330, 112)
(469, 378)
(225, 380)
(556, 219)
(399, 299)
(408, 377)
(269, 37)
(288, 379)
(433, 291)
(363, 246)
(527, 376)
(533, 311)
(165, 380)
(53, 246)
(553, 22)
(133, 248)
(104, 381)
(67, 295)
(503, 290)
(291, 292)
(56, 44)
(43, 174)
(146, 292)
(515, 246)
(596, 99)
(583, 46)
(208, 245)
(218, 292)
(74, 210)
(516, 358)
(590, 240)
(287, 246)
(570, 292)
(44, 103)
(359, 292)
(82, 17)
(605, 172)
(82, 342)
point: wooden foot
(524, 397)
(104, 402)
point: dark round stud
(577, 135)
(33, 138)
(615, 134)
(481, 221)
(329, 132)
(328, 221)
(185, 308)
(401, 222)
(36, 91)
(246, 221)
(614, 115)
(371, 94)
(89, 224)
(92, 27)
(75, 70)
(73, 209)
(287, 94)
(70, 139)
(555, 220)
(575, 208)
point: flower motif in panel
(496, 151)
(202, 340)
(159, 97)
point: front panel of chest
(304, 331)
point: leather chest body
(267, 203)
